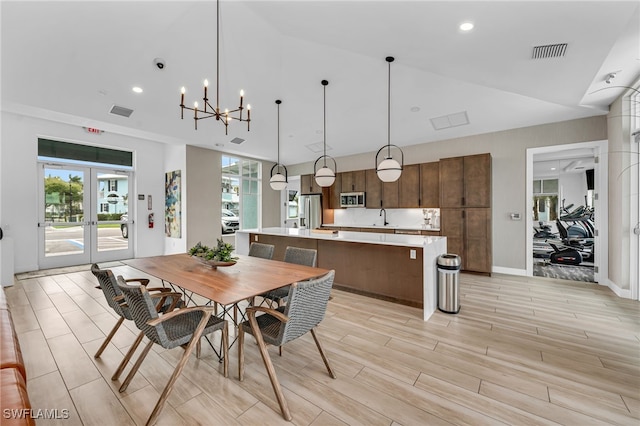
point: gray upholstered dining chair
(165, 301)
(300, 256)
(303, 312)
(181, 327)
(264, 251)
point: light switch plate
(412, 254)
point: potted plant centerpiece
(216, 256)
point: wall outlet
(515, 216)
(412, 254)
(255, 238)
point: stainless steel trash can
(448, 283)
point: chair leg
(270, 370)
(109, 337)
(280, 350)
(135, 367)
(324, 357)
(127, 357)
(240, 353)
(172, 380)
(225, 349)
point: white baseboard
(509, 271)
(623, 293)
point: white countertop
(399, 227)
(349, 236)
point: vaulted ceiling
(72, 61)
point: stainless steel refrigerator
(310, 211)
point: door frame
(601, 223)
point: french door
(83, 215)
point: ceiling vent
(549, 51)
(122, 111)
(451, 120)
(317, 147)
(237, 141)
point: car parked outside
(124, 226)
(230, 222)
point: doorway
(567, 205)
(83, 215)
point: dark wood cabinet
(465, 181)
(477, 180)
(430, 184)
(334, 192)
(308, 185)
(465, 209)
(390, 195)
(468, 233)
(477, 239)
(452, 227)
(451, 182)
(373, 189)
(354, 181)
(409, 187)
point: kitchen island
(395, 267)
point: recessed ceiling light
(415, 109)
(466, 26)
(137, 89)
(553, 168)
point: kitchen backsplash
(397, 217)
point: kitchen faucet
(384, 222)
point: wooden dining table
(249, 277)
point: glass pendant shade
(325, 177)
(389, 170)
(278, 182)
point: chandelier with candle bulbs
(209, 111)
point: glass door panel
(111, 206)
(63, 235)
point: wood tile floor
(521, 351)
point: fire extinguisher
(150, 220)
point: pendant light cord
(324, 128)
(389, 113)
(278, 133)
(218, 56)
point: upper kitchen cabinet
(390, 195)
(308, 185)
(334, 192)
(354, 181)
(477, 180)
(465, 181)
(430, 184)
(409, 187)
(451, 182)
(373, 189)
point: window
(104, 207)
(545, 200)
(241, 186)
(113, 185)
(292, 212)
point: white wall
(508, 152)
(19, 181)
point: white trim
(624, 293)
(600, 149)
(509, 271)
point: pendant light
(325, 176)
(278, 181)
(389, 170)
